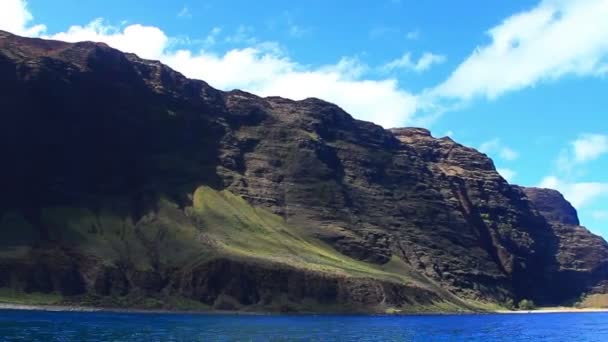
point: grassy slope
(219, 224)
(12, 296)
(244, 231)
(595, 301)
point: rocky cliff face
(104, 153)
(582, 257)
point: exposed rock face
(86, 125)
(582, 256)
(553, 206)
(250, 284)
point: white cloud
(495, 146)
(507, 174)
(552, 40)
(146, 41)
(584, 149)
(268, 72)
(507, 153)
(405, 62)
(427, 60)
(16, 18)
(569, 169)
(489, 146)
(578, 193)
(589, 147)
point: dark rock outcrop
(86, 126)
(582, 257)
(247, 284)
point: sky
(522, 81)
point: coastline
(553, 310)
(76, 308)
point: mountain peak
(410, 131)
(552, 204)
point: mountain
(126, 184)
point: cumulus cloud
(495, 146)
(569, 169)
(585, 148)
(405, 62)
(266, 71)
(490, 145)
(507, 153)
(146, 41)
(579, 194)
(589, 147)
(552, 40)
(16, 18)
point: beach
(75, 308)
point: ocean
(17, 325)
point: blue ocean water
(106, 326)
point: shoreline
(553, 310)
(76, 308)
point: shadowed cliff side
(125, 183)
(582, 256)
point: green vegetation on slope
(12, 296)
(241, 230)
(219, 224)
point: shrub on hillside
(526, 304)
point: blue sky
(523, 81)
